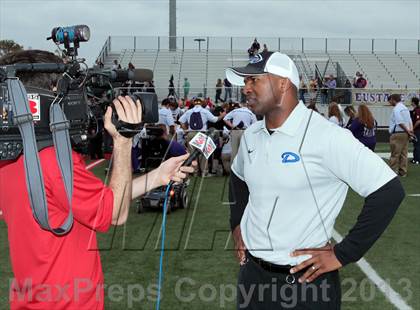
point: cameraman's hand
(127, 111)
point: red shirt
(54, 272)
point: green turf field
(200, 270)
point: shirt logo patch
(289, 157)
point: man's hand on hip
(239, 244)
(323, 260)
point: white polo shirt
(400, 115)
(165, 117)
(243, 115)
(176, 114)
(290, 175)
(206, 116)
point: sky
(30, 22)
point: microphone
(203, 144)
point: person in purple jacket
(363, 127)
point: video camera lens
(150, 114)
(150, 106)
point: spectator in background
(171, 145)
(115, 65)
(219, 86)
(359, 81)
(131, 66)
(255, 46)
(171, 87)
(303, 89)
(250, 53)
(334, 114)
(347, 92)
(415, 118)
(196, 119)
(324, 91)
(215, 161)
(254, 49)
(351, 114)
(209, 104)
(400, 128)
(265, 48)
(313, 89)
(165, 116)
(175, 110)
(238, 120)
(186, 87)
(228, 89)
(363, 127)
(226, 153)
(332, 85)
(99, 63)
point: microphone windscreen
(143, 75)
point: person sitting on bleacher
(359, 81)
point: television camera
(75, 88)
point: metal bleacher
(202, 67)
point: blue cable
(162, 246)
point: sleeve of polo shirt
(92, 201)
(170, 119)
(355, 164)
(210, 117)
(238, 162)
(228, 116)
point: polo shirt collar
(292, 123)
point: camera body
(74, 106)
(74, 94)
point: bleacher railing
(355, 96)
(376, 99)
(304, 45)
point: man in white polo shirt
(239, 120)
(400, 130)
(289, 182)
(165, 116)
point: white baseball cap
(263, 63)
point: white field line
(94, 164)
(387, 155)
(387, 290)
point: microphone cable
(162, 245)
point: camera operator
(64, 272)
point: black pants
(416, 151)
(259, 289)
